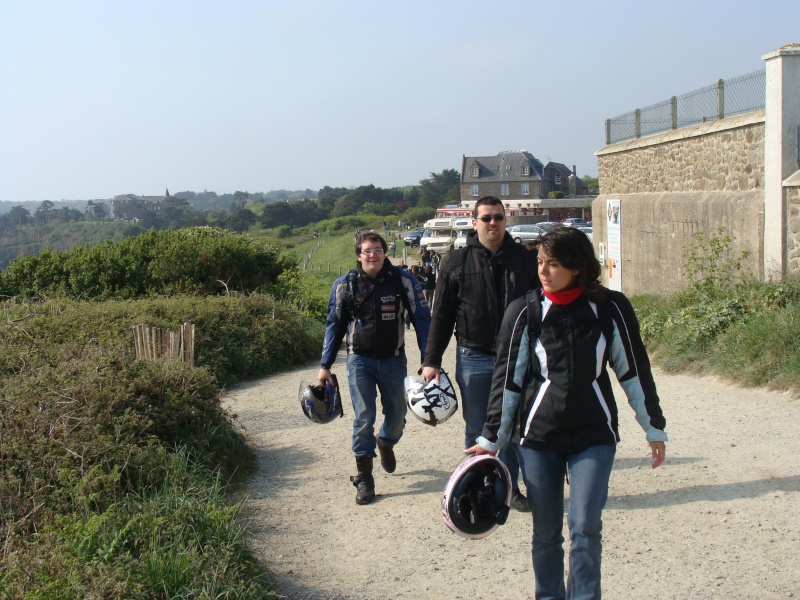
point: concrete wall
(656, 227)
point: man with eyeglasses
(475, 285)
(367, 307)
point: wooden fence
(158, 343)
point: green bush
(196, 260)
(555, 194)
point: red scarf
(564, 296)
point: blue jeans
(474, 378)
(510, 456)
(589, 471)
(366, 377)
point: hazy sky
(99, 98)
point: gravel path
(720, 519)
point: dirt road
(720, 519)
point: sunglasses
(496, 217)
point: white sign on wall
(614, 244)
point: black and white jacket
(554, 390)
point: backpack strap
(606, 322)
(534, 306)
(401, 290)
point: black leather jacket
(473, 289)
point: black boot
(388, 461)
(364, 482)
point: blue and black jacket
(551, 386)
(369, 313)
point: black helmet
(321, 404)
(477, 497)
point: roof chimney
(574, 171)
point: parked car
(575, 222)
(413, 237)
(587, 231)
(548, 225)
(523, 233)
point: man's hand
(429, 373)
(325, 375)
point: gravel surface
(720, 519)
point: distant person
(474, 286)
(430, 285)
(426, 257)
(393, 247)
(551, 383)
(436, 259)
(366, 306)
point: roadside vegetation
(116, 473)
(725, 323)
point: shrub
(196, 260)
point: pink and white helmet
(477, 497)
(432, 403)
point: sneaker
(519, 502)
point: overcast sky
(107, 97)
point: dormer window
(508, 167)
(473, 172)
(526, 170)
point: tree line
(244, 210)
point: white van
(463, 227)
(439, 235)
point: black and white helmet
(430, 402)
(321, 404)
(477, 497)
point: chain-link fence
(726, 98)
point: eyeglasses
(376, 252)
(496, 217)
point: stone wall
(726, 155)
(792, 196)
(675, 184)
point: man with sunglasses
(367, 307)
(475, 285)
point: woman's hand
(659, 451)
(476, 449)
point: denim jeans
(510, 456)
(366, 377)
(589, 472)
(474, 378)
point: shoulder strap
(401, 290)
(606, 323)
(534, 326)
(534, 317)
(350, 296)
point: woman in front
(551, 390)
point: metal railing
(726, 98)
